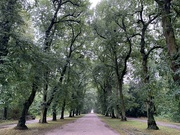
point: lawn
(37, 128)
(136, 128)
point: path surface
(90, 124)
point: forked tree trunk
(151, 123)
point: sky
(94, 2)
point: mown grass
(136, 128)
(6, 122)
(37, 128)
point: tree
(117, 38)
(69, 21)
(145, 50)
(167, 8)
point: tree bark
(44, 110)
(150, 114)
(54, 112)
(151, 123)
(54, 115)
(5, 112)
(22, 120)
(168, 31)
(77, 112)
(70, 113)
(73, 113)
(44, 105)
(112, 113)
(63, 109)
(120, 83)
(123, 111)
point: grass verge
(37, 128)
(136, 128)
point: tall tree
(146, 50)
(117, 38)
(70, 22)
(166, 9)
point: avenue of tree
(120, 58)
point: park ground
(92, 124)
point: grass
(37, 128)
(6, 122)
(136, 128)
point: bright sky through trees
(94, 3)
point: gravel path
(90, 124)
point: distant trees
(54, 55)
(136, 24)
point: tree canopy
(120, 58)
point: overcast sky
(94, 2)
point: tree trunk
(151, 123)
(54, 115)
(44, 105)
(77, 112)
(22, 120)
(5, 113)
(117, 111)
(112, 113)
(123, 111)
(43, 118)
(150, 114)
(170, 37)
(120, 84)
(106, 114)
(63, 109)
(145, 54)
(73, 113)
(70, 113)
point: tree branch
(153, 48)
(99, 34)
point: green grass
(6, 122)
(37, 128)
(136, 128)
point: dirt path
(90, 124)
